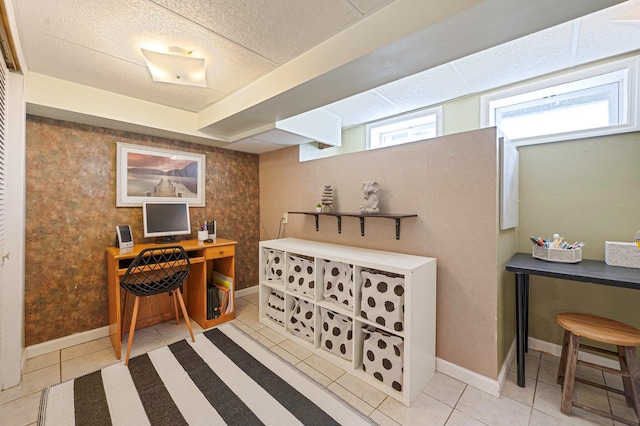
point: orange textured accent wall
(71, 216)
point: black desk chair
(156, 271)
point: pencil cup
(203, 235)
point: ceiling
(361, 60)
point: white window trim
(404, 117)
(628, 108)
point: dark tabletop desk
(591, 271)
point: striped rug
(224, 377)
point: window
(406, 128)
(594, 102)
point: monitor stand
(167, 239)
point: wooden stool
(604, 330)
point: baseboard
(87, 336)
(494, 387)
(247, 291)
(67, 341)
(504, 371)
(469, 377)
(556, 350)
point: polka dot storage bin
(274, 266)
(275, 306)
(338, 283)
(301, 275)
(383, 299)
(336, 335)
(302, 319)
(382, 357)
(400, 293)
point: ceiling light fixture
(176, 66)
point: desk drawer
(222, 251)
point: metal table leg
(521, 323)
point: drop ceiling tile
(601, 37)
(277, 29)
(367, 6)
(363, 108)
(116, 30)
(426, 88)
(94, 69)
(253, 146)
(281, 137)
(527, 57)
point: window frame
(626, 71)
(371, 127)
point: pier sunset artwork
(159, 174)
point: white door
(12, 207)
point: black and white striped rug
(224, 377)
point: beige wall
(451, 183)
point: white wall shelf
(342, 339)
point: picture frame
(152, 174)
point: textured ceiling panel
(276, 29)
(281, 137)
(524, 58)
(367, 6)
(253, 146)
(426, 88)
(111, 34)
(600, 36)
(362, 108)
(94, 69)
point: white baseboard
(556, 350)
(247, 291)
(494, 387)
(469, 377)
(504, 371)
(478, 381)
(87, 336)
(67, 341)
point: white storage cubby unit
(371, 312)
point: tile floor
(444, 401)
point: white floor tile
(512, 390)
(425, 411)
(548, 398)
(23, 411)
(458, 418)
(32, 383)
(42, 361)
(351, 399)
(382, 419)
(324, 367)
(491, 410)
(445, 389)
(362, 390)
(86, 348)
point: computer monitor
(164, 220)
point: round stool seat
(600, 329)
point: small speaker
(211, 227)
(125, 238)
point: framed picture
(152, 174)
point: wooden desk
(591, 271)
(204, 257)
